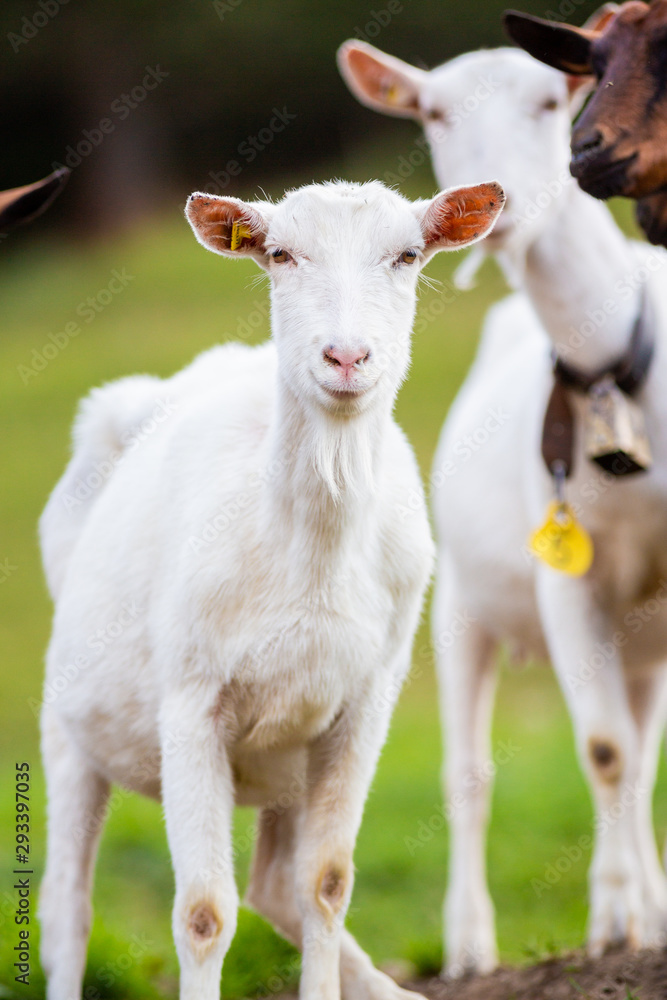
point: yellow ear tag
(239, 232)
(391, 94)
(562, 542)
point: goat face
(343, 261)
(485, 114)
(619, 144)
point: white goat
(275, 592)
(582, 291)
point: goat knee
(332, 887)
(203, 926)
(606, 757)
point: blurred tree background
(69, 65)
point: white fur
(569, 260)
(244, 599)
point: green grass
(181, 300)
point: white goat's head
(489, 113)
(343, 261)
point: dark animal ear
(558, 45)
(24, 203)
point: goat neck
(582, 277)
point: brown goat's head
(619, 143)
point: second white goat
(584, 289)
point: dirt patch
(619, 975)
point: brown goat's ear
(460, 216)
(380, 81)
(602, 18)
(227, 226)
(558, 45)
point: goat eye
(408, 257)
(433, 115)
(281, 256)
(550, 105)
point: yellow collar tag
(562, 542)
(239, 232)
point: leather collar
(628, 372)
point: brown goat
(22, 204)
(619, 143)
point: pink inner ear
(459, 217)
(382, 83)
(372, 77)
(602, 18)
(226, 226)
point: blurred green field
(178, 301)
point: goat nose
(587, 142)
(346, 358)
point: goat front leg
(341, 764)
(271, 893)
(590, 672)
(466, 679)
(198, 796)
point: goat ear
(227, 226)
(558, 45)
(461, 216)
(23, 204)
(380, 81)
(581, 87)
(602, 18)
